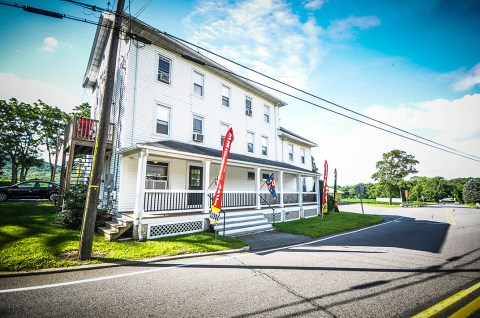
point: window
(163, 120)
(223, 132)
(164, 69)
(225, 96)
(250, 138)
(250, 175)
(290, 152)
(157, 175)
(197, 128)
(198, 83)
(302, 155)
(264, 146)
(265, 176)
(248, 106)
(266, 113)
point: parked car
(31, 189)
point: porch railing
(81, 128)
(193, 200)
(309, 197)
(170, 200)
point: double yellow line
(450, 218)
(465, 311)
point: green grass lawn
(332, 223)
(30, 240)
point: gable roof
(176, 146)
(162, 40)
(288, 135)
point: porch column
(140, 191)
(317, 187)
(300, 190)
(258, 175)
(206, 184)
(280, 188)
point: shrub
(73, 207)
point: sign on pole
(324, 196)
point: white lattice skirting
(169, 229)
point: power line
(58, 15)
(313, 95)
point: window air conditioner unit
(248, 112)
(198, 137)
(164, 77)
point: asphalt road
(417, 258)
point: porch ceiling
(176, 147)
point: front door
(195, 182)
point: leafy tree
(457, 185)
(392, 169)
(82, 110)
(437, 188)
(18, 131)
(53, 122)
(314, 165)
(471, 191)
(417, 188)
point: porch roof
(189, 149)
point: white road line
(90, 280)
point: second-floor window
(223, 132)
(197, 128)
(302, 155)
(225, 96)
(163, 120)
(290, 152)
(250, 139)
(266, 113)
(198, 84)
(264, 146)
(164, 66)
(248, 106)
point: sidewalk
(272, 239)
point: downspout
(134, 137)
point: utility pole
(90, 213)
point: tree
(53, 122)
(82, 110)
(437, 188)
(18, 132)
(392, 169)
(471, 191)
(314, 165)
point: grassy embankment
(30, 240)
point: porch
(160, 187)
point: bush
(471, 191)
(73, 207)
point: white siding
(128, 184)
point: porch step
(114, 228)
(242, 223)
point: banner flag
(271, 185)
(324, 196)
(218, 194)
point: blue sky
(413, 64)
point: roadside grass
(30, 240)
(332, 223)
(373, 202)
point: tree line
(28, 130)
(391, 172)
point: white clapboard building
(172, 107)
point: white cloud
(50, 44)
(469, 80)
(29, 91)
(266, 35)
(354, 148)
(313, 4)
(347, 28)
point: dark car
(32, 189)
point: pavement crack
(287, 288)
